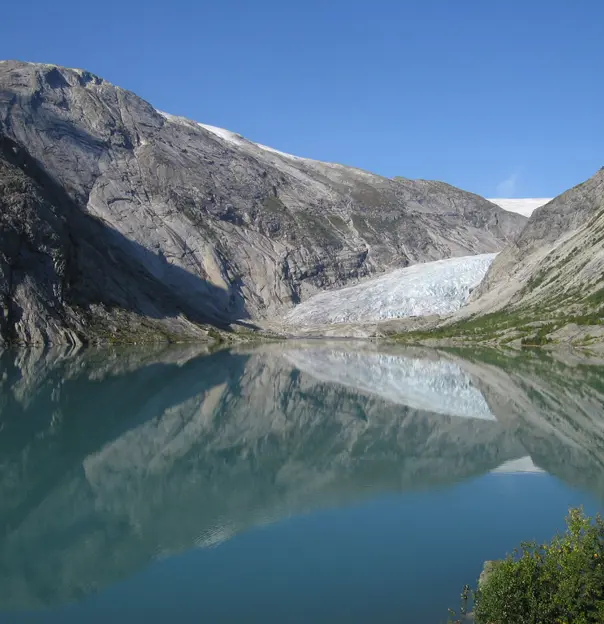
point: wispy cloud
(507, 187)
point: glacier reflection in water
(437, 386)
(115, 463)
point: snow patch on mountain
(238, 139)
(524, 206)
(227, 135)
(440, 287)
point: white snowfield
(440, 287)
(524, 207)
(439, 386)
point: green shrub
(557, 583)
(216, 336)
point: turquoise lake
(302, 482)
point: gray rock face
(66, 277)
(557, 262)
(157, 218)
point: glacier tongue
(439, 287)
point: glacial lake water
(312, 482)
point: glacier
(439, 287)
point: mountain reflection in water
(111, 459)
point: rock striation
(559, 255)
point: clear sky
(503, 98)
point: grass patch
(361, 227)
(216, 336)
(337, 222)
(274, 205)
(539, 338)
(319, 228)
(531, 325)
(596, 298)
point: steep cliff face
(559, 254)
(219, 227)
(553, 273)
(66, 277)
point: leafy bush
(557, 583)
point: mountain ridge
(218, 232)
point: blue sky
(500, 98)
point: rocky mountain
(66, 277)
(123, 222)
(559, 254)
(546, 287)
(553, 273)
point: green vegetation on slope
(549, 283)
(530, 325)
